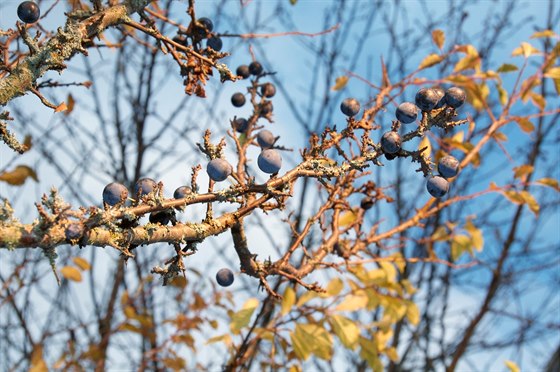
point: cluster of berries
(427, 99)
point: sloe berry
(224, 277)
(240, 124)
(215, 43)
(238, 99)
(243, 71)
(426, 99)
(437, 186)
(74, 231)
(350, 107)
(266, 108)
(206, 23)
(182, 192)
(270, 161)
(391, 142)
(255, 68)
(407, 112)
(218, 169)
(455, 97)
(144, 186)
(28, 12)
(114, 193)
(448, 166)
(268, 90)
(266, 139)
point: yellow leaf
(469, 62)
(525, 124)
(352, 303)
(61, 107)
(438, 36)
(525, 49)
(288, 300)
(506, 67)
(334, 287)
(557, 86)
(312, 338)
(309, 295)
(347, 218)
(531, 202)
(550, 182)
(346, 330)
(225, 337)
(538, 100)
(429, 61)
(499, 136)
(544, 33)
(71, 273)
(512, 366)
(38, 364)
(18, 176)
(459, 245)
(502, 94)
(340, 82)
(82, 263)
(522, 170)
(242, 318)
(391, 353)
(458, 137)
(553, 73)
(412, 313)
(390, 270)
(425, 143)
(477, 238)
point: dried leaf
(522, 171)
(506, 67)
(70, 105)
(544, 33)
(429, 61)
(71, 273)
(61, 107)
(340, 82)
(18, 176)
(553, 73)
(525, 125)
(438, 36)
(550, 182)
(82, 263)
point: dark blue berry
(265, 108)
(367, 203)
(215, 43)
(255, 68)
(265, 139)
(182, 192)
(144, 186)
(218, 169)
(238, 99)
(270, 161)
(114, 193)
(448, 166)
(441, 96)
(243, 71)
(426, 99)
(206, 23)
(28, 12)
(74, 231)
(437, 186)
(455, 97)
(161, 217)
(268, 90)
(407, 112)
(241, 125)
(224, 277)
(391, 142)
(350, 107)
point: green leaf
(242, 318)
(550, 182)
(429, 61)
(506, 67)
(512, 366)
(346, 330)
(459, 245)
(288, 300)
(310, 339)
